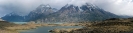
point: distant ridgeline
(68, 13)
(39, 12)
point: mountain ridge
(68, 13)
(72, 13)
(39, 11)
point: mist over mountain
(40, 11)
(24, 7)
(13, 17)
(72, 16)
(68, 13)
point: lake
(19, 22)
(45, 29)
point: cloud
(119, 7)
(23, 7)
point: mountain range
(68, 13)
(37, 13)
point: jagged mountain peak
(69, 5)
(89, 4)
(40, 11)
(81, 8)
(86, 4)
(44, 6)
(69, 8)
(68, 13)
(48, 5)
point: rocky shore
(63, 30)
(113, 25)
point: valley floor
(113, 25)
(31, 25)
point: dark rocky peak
(48, 5)
(66, 5)
(43, 8)
(93, 9)
(69, 8)
(89, 6)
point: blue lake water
(45, 29)
(26, 22)
(19, 22)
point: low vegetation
(4, 24)
(113, 25)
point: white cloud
(119, 7)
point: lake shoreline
(107, 26)
(33, 25)
(113, 25)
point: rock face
(71, 13)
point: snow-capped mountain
(40, 11)
(72, 13)
(68, 13)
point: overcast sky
(119, 7)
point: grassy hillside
(5, 24)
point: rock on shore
(113, 25)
